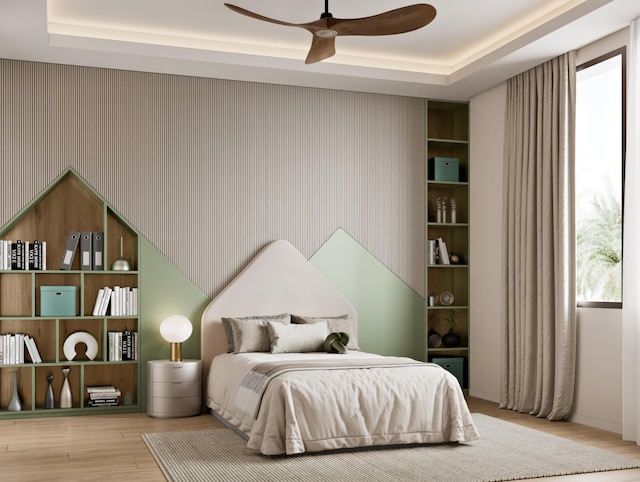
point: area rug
(506, 451)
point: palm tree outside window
(600, 128)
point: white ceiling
(469, 47)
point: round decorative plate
(446, 298)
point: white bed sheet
(318, 410)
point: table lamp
(176, 329)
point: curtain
(538, 267)
(631, 241)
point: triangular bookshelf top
(70, 203)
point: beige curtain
(538, 311)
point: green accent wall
(390, 313)
(165, 291)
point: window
(600, 110)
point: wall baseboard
(609, 426)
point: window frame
(622, 51)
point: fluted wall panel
(209, 171)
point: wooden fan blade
(321, 48)
(400, 20)
(313, 27)
(242, 11)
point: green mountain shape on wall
(166, 291)
(390, 313)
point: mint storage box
(454, 365)
(443, 169)
(57, 301)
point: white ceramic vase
(65, 393)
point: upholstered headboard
(278, 280)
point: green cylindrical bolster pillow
(336, 342)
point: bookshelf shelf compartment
(68, 204)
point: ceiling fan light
(326, 33)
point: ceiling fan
(327, 28)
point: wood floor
(580, 433)
(107, 447)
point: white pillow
(297, 338)
(249, 334)
(336, 324)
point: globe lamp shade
(176, 329)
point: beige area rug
(506, 451)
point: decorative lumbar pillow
(249, 333)
(336, 324)
(336, 343)
(297, 338)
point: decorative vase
(450, 339)
(15, 403)
(48, 400)
(65, 393)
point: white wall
(598, 396)
(487, 134)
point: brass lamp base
(176, 352)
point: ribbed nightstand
(174, 389)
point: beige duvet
(325, 409)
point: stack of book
(103, 396)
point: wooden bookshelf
(69, 203)
(447, 135)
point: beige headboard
(278, 280)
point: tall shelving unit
(447, 127)
(69, 203)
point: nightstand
(174, 389)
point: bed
(269, 375)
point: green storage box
(444, 169)
(58, 301)
(454, 365)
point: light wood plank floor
(109, 447)
(579, 433)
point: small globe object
(121, 264)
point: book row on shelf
(117, 301)
(32, 255)
(103, 396)
(12, 349)
(91, 247)
(123, 345)
(437, 252)
(23, 255)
